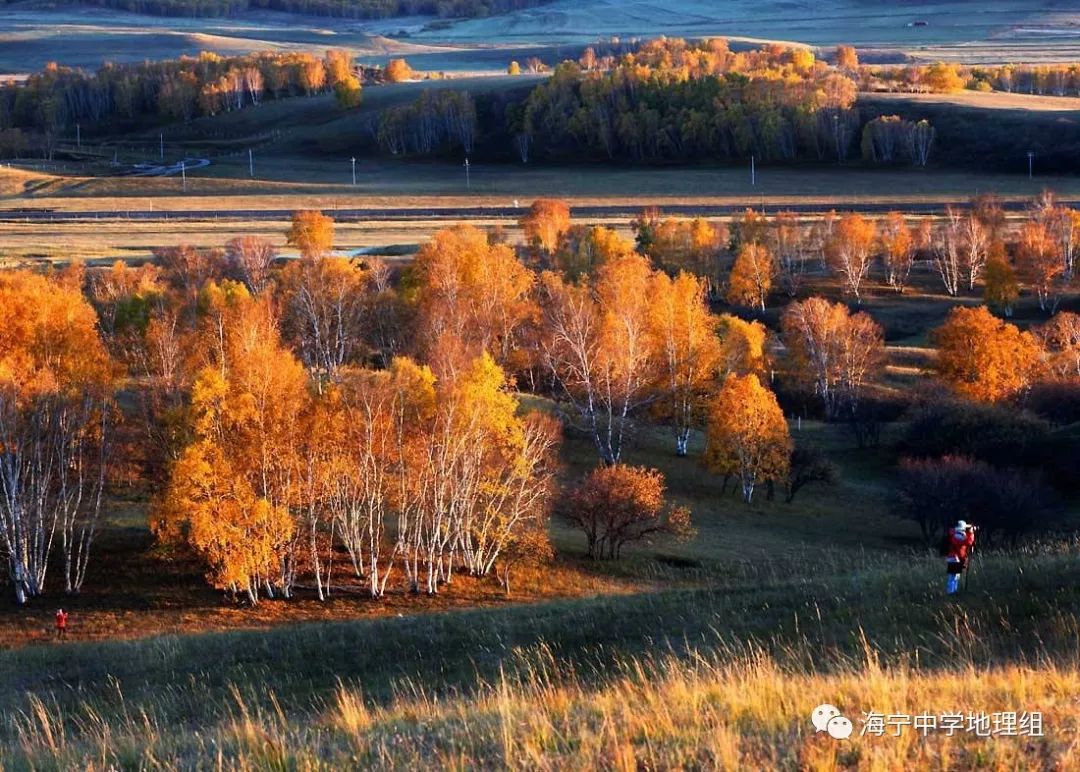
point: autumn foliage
(307, 413)
(618, 505)
(397, 70)
(232, 488)
(752, 276)
(984, 358)
(472, 296)
(833, 353)
(312, 233)
(56, 389)
(747, 435)
(545, 223)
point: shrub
(809, 465)
(871, 413)
(997, 435)
(1004, 503)
(1055, 401)
(618, 504)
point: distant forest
(344, 9)
(659, 102)
(34, 114)
(673, 101)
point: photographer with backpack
(958, 546)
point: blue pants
(952, 584)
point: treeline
(966, 249)
(344, 9)
(673, 100)
(667, 100)
(57, 98)
(990, 138)
(1044, 80)
(436, 120)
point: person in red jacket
(61, 624)
(959, 543)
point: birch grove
(834, 352)
(599, 349)
(56, 384)
(340, 425)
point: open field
(292, 183)
(998, 31)
(708, 653)
(88, 37)
(715, 677)
(1068, 107)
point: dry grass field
(87, 37)
(289, 182)
(1069, 107)
(955, 30)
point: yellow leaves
(584, 249)
(1039, 261)
(207, 394)
(832, 351)
(690, 245)
(545, 222)
(623, 284)
(1061, 338)
(849, 249)
(416, 383)
(943, 78)
(230, 492)
(325, 303)
(689, 350)
(624, 347)
(49, 342)
(984, 358)
(312, 233)
(802, 59)
(743, 346)
(238, 533)
(751, 276)
(217, 297)
(847, 58)
(747, 433)
(1001, 288)
(474, 296)
(397, 70)
(484, 397)
(897, 239)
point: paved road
(29, 214)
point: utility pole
(183, 175)
(836, 134)
(1031, 163)
(353, 159)
(753, 173)
(161, 145)
(468, 178)
(251, 165)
